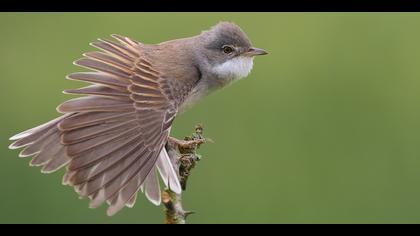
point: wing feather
(103, 67)
(94, 103)
(114, 152)
(126, 41)
(130, 187)
(77, 149)
(106, 58)
(113, 161)
(114, 180)
(116, 175)
(100, 78)
(57, 160)
(152, 188)
(128, 51)
(112, 51)
(112, 138)
(100, 90)
(79, 135)
(86, 119)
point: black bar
(212, 6)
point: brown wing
(112, 136)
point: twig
(184, 157)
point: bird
(111, 138)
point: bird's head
(228, 51)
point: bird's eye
(227, 49)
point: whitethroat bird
(112, 141)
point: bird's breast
(202, 88)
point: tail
(43, 143)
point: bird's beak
(255, 52)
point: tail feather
(167, 172)
(152, 188)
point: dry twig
(184, 158)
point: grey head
(227, 52)
(222, 54)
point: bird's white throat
(235, 68)
(227, 72)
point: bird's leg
(183, 157)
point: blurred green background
(326, 129)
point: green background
(326, 129)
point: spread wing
(112, 138)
